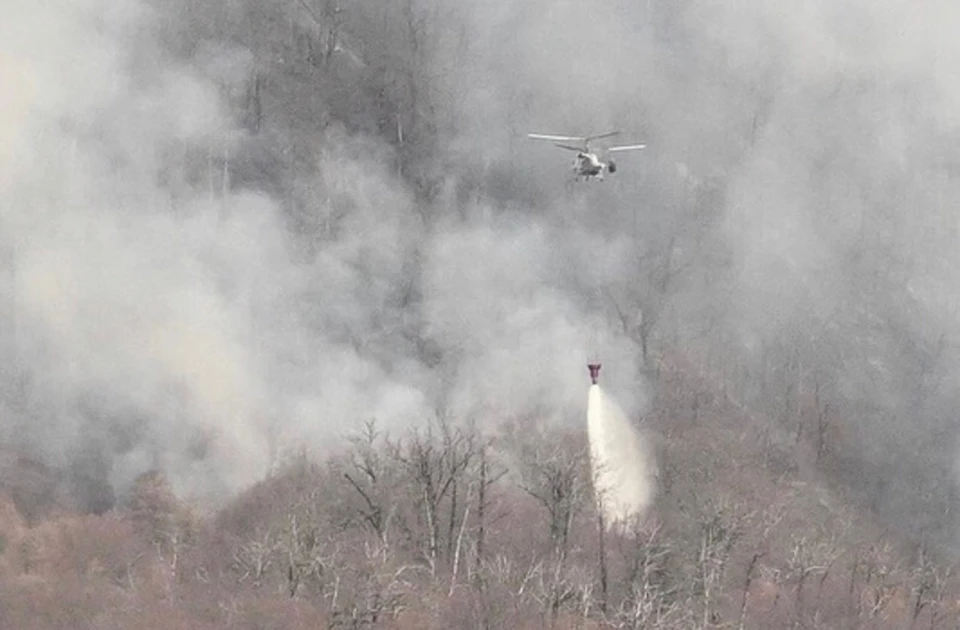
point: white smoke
(159, 308)
(623, 468)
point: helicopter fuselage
(588, 165)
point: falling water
(622, 465)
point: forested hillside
(295, 320)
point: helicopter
(588, 165)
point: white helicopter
(588, 164)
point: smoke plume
(161, 315)
(182, 292)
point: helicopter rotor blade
(543, 136)
(603, 135)
(626, 147)
(569, 147)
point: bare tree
(876, 574)
(368, 477)
(486, 477)
(808, 559)
(436, 461)
(369, 589)
(928, 580)
(159, 517)
(650, 601)
(720, 529)
(556, 476)
(253, 558)
(747, 583)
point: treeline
(450, 527)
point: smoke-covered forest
(294, 318)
